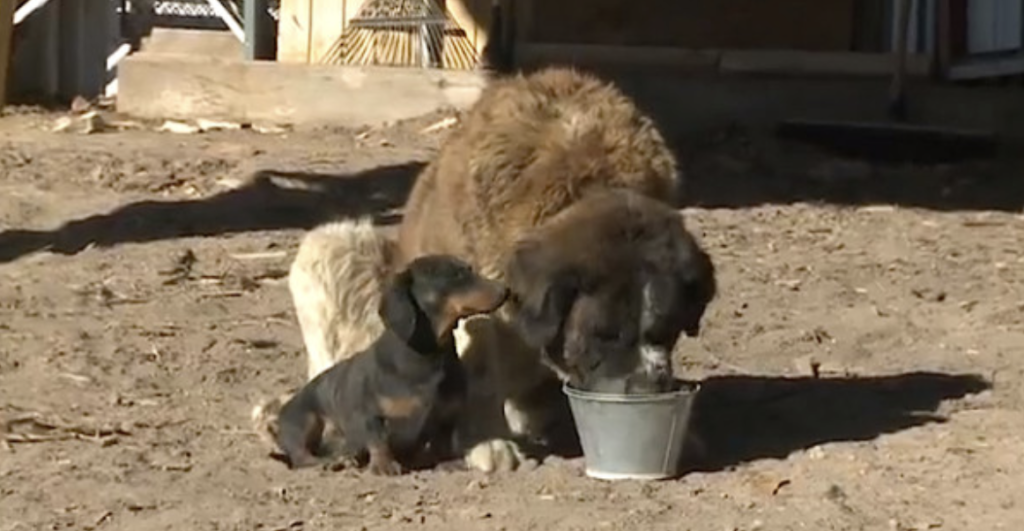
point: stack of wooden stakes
(402, 44)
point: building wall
(812, 25)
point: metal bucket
(632, 436)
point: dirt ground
(144, 309)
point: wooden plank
(474, 17)
(352, 9)
(294, 28)
(781, 62)
(181, 87)
(179, 41)
(987, 67)
(533, 54)
(6, 31)
(309, 30)
(792, 62)
(328, 24)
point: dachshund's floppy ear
(398, 307)
(544, 291)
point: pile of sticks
(403, 33)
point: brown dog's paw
(342, 463)
(382, 463)
(388, 467)
(303, 460)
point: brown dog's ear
(398, 307)
(543, 291)
(698, 287)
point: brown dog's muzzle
(485, 297)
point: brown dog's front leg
(375, 436)
(382, 462)
(299, 433)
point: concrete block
(221, 44)
(164, 86)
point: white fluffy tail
(336, 281)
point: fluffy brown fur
(529, 148)
(605, 289)
(532, 148)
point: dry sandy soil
(143, 310)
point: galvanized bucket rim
(685, 388)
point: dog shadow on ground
(744, 418)
(737, 419)
(270, 200)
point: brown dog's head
(425, 301)
(607, 295)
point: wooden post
(898, 89)
(522, 24)
(260, 43)
(943, 38)
(327, 24)
(6, 31)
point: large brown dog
(556, 183)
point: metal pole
(260, 43)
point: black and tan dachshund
(403, 393)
